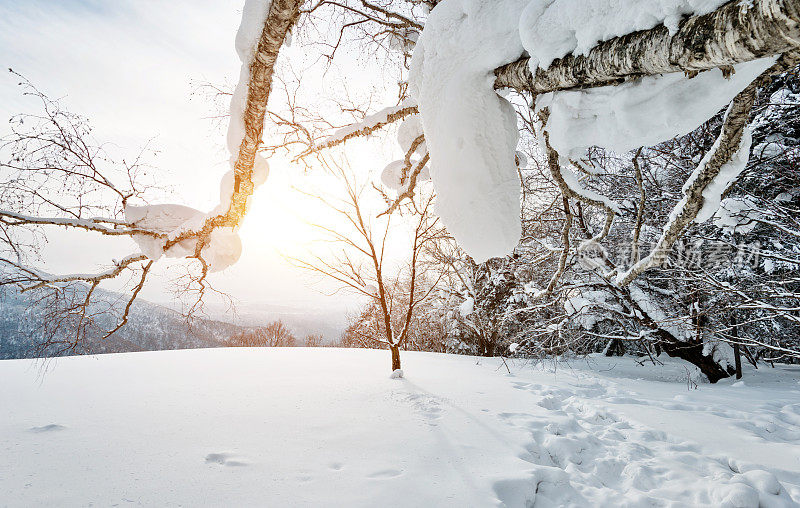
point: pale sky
(128, 66)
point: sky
(131, 67)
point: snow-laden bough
(471, 133)
(213, 236)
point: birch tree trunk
(736, 32)
(282, 16)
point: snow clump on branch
(223, 249)
(551, 29)
(470, 131)
(641, 113)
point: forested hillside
(26, 328)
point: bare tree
(314, 340)
(55, 175)
(360, 265)
(275, 334)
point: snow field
(305, 426)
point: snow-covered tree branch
(737, 32)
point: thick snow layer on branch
(712, 193)
(589, 307)
(679, 326)
(368, 124)
(737, 215)
(392, 174)
(223, 249)
(467, 307)
(551, 29)
(575, 186)
(408, 132)
(161, 219)
(254, 14)
(728, 173)
(642, 113)
(226, 185)
(470, 131)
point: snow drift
(303, 426)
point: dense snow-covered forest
(592, 183)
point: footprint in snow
(426, 406)
(385, 473)
(224, 459)
(550, 403)
(336, 466)
(53, 427)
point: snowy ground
(327, 427)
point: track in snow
(584, 454)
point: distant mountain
(24, 322)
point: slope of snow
(322, 427)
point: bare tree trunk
(395, 357)
(693, 353)
(485, 347)
(614, 347)
(734, 33)
(737, 354)
(490, 346)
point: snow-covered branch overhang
(737, 32)
(653, 50)
(282, 16)
(247, 115)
